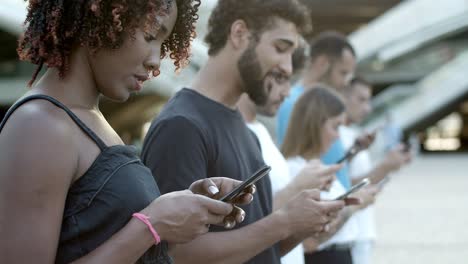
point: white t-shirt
(360, 165)
(348, 232)
(279, 177)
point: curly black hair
(257, 14)
(54, 27)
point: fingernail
(242, 217)
(228, 225)
(213, 190)
(254, 189)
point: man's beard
(251, 74)
(266, 108)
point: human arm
(393, 161)
(365, 140)
(362, 199)
(217, 187)
(313, 175)
(176, 151)
(178, 217)
(37, 171)
(304, 214)
(34, 177)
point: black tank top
(102, 201)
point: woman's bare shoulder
(39, 132)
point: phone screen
(353, 189)
(245, 184)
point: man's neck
(349, 122)
(219, 81)
(249, 117)
(247, 109)
(309, 79)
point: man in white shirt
(312, 176)
(357, 100)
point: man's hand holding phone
(352, 197)
(307, 215)
(396, 158)
(362, 142)
(365, 140)
(366, 195)
(353, 189)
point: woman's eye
(280, 78)
(280, 49)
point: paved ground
(422, 215)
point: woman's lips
(139, 80)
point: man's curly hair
(55, 27)
(257, 14)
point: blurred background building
(414, 55)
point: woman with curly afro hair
(70, 190)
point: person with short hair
(312, 176)
(202, 134)
(331, 61)
(357, 100)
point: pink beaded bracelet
(145, 220)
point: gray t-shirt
(194, 138)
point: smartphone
(350, 153)
(355, 149)
(247, 183)
(353, 189)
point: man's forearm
(236, 246)
(282, 197)
(290, 243)
(344, 216)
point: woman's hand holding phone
(218, 187)
(316, 175)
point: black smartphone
(353, 189)
(349, 154)
(245, 184)
(356, 148)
